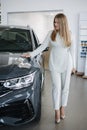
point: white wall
(71, 8)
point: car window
(15, 40)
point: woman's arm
(41, 48)
(72, 51)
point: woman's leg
(65, 78)
(65, 88)
(57, 116)
(62, 112)
(56, 93)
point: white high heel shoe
(57, 121)
(62, 117)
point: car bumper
(20, 106)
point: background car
(21, 79)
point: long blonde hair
(63, 29)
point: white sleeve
(42, 46)
(72, 51)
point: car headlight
(21, 82)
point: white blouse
(60, 55)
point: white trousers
(60, 87)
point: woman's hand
(26, 55)
(73, 71)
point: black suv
(21, 79)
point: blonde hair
(63, 29)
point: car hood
(14, 71)
(12, 65)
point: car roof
(16, 26)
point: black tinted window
(35, 40)
(15, 40)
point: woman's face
(56, 24)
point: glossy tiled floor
(76, 111)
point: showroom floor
(76, 112)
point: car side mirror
(47, 48)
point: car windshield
(15, 40)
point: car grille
(3, 89)
(22, 110)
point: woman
(61, 63)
